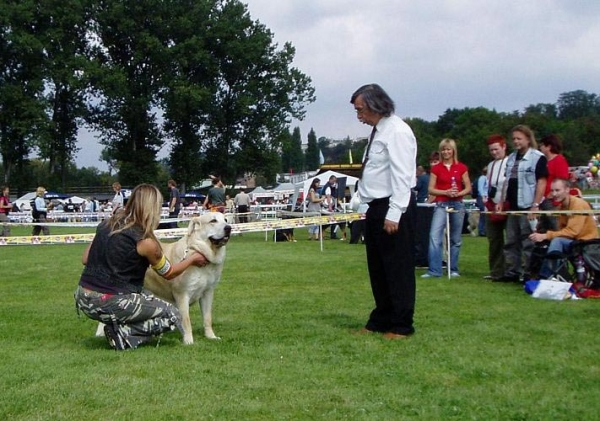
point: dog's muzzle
(220, 242)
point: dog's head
(210, 227)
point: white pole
(321, 236)
(448, 258)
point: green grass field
(286, 313)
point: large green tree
(470, 127)
(577, 104)
(22, 116)
(296, 157)
(257, 93)
(187, 88)
(285, 140)
(311, 156)
(65, 49)
(129, 58)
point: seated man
(570, 226)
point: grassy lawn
(286, 313)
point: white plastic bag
(552, 290)
(355, 201)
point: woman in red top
(558, 167)
(449, 182)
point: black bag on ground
(284, 234)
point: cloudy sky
(430, 55)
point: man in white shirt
(242, 203)
(387, 180)
(330, 193)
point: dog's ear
(194, 222)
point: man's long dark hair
(375, 98)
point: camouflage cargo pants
(137, 317)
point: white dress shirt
(496, 173)
(390, 170)
(117, 201)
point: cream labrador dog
(207, 234)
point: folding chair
(559, 265)
(557, 262)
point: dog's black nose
(227, 229)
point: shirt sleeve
(482, 186)
(402, 148)
(541, 169)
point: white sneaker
(455, 275)
(428, 275)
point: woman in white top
(314, 205)
(494, 228)
(40, 212)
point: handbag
(490, 206)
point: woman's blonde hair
(40, 191)
(526, 130)
(452, 144)
(143, 209)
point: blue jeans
(436, 236)
(557, 245)
(481, 226)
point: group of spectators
(527, 180)
(217, 200)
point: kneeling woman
(111, 285)
(449, 182)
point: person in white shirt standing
(242, 202)
(495, 225)
(482, 197)
(386, 183)
(40, 212)
(117, 201)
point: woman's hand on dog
(198, 259)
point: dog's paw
(100, 330)
(188, 340)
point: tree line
(201, 75)
(575, 118)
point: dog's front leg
(206, 307)
(183, 304)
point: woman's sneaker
(115, 340)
